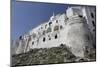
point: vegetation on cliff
(52, 55)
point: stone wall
(70, 28)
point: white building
(74, 29)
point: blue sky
(27, 15)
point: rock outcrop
(54, 55)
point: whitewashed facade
(75, 29)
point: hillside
(52, 55)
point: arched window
(56, 36)
(44, 39)
(50, 23)
(56, 21)
(56, 28)
(93, 23)
(80, 16)
(44, 32)
(20, 37)
(61, 27)
(92, 15)
(49, 38)
(33, 43)
(62, 45)
(48, 30)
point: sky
(27, 15)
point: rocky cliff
(61, 54)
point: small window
(92, 15)
(50, 23)
(48, 30)
(80, 16)
(49, 38)
(56, 21)
(44, 39)
(62, 45)
(32, 43)
(61, 27)
(56, 28)
(93, 23)
(56, 36)
(66, 19)
(20, 37)
(43, 32)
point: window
(56, 21)
(66, 19)
(33, 43)
(44, 39)
(92, 15)
(43, 32)
(61, 27)
(20, 37)
(49, 38)
(80, 16)
(56, 28)
(50, 23)
(56, 36)
(93, 23)
(62, 45)
(48, 30)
